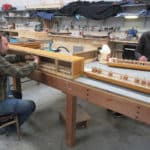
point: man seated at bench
(23, 108)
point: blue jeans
(23, 108)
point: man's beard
(3, 53)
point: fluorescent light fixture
(131, 17)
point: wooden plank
(121, 82)
(44, 53)
(78, 67)
(60, 83)
(71, 120)
(133, 109)
(10, 30)
(124, 41)
(130, 64)
(29, 44)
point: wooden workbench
(133, 104)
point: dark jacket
(143, 47)
(93, 10)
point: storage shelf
(133, 5)
(3, 21)
(16, 17)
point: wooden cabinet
(117, 47)
(55, 63)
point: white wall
(68, 1)
(23, 3)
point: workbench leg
(70, 120)
(17, 85)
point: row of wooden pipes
(116, 60)
(110, 74)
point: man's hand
(36, 59)
(3, 45)
(143, 58)
(29, 57)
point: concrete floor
(44, 131)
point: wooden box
(59, 64)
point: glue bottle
(105, 53)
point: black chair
(129, 52)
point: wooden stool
(10, 119)
(82, 117)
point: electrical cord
(59, 48)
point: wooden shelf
(9, 30)
(78, 37)
(124, 41)
(133, 5)
(17, 17)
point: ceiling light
(131, 17)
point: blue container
(14, 40)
